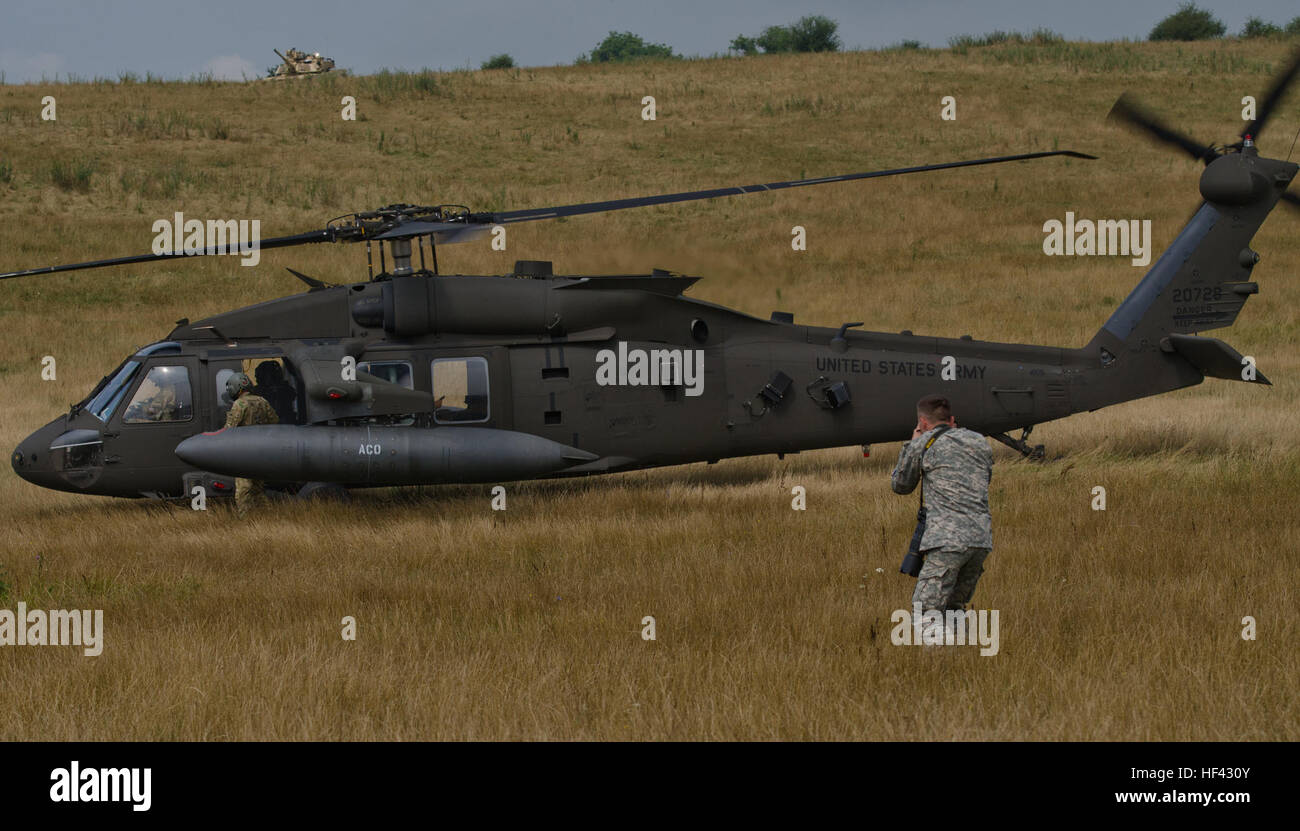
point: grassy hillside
(1122, 624)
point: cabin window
(460, 390)
(394, 372)
(164, 395)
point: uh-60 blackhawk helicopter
(419, 377)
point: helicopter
(415, 377)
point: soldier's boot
(932, 632)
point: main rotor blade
(1273, 97)
(505, 217)
(1126, 110)
(475, 225)
(263, 245)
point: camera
(913, 559)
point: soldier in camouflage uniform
(248, 409)
(956, 469)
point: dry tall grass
(1121, 624)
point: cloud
(231, 68)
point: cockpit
(120, 439)
(164, 394)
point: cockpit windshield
(107, 394)
(102, 405)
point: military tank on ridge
(299, 64)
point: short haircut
(935, 408)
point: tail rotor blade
(1127, 111)
(1273, 97)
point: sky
(53, 39)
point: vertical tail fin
(1199, 283)
(1202, 279)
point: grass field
(771, 624)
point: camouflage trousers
(948, 577)
(249, 494)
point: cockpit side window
(164, 395)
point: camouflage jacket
(957, 470)
(251, 409)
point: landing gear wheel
(1034, 453)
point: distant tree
(1293, 28)
(1188, 23)
(813, 33)
(1257, 28)
(744, 45)
(502, 61)
(776, 39)
(625, 46)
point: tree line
(818, 33)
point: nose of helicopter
(33, 460)
(26, 460)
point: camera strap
(912, 562)
(939, 431)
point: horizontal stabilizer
(1214, 358)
